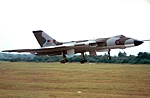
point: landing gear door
(71, 51)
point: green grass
(55, 80)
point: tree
(120, 54)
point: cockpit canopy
(120, 36)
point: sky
(67, 20)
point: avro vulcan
(50, 46)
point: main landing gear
(109, 57)
(65, 59)
(84, 59)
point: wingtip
(4, 51)
(7, 50)
(37, 31)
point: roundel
(48, 41)
(117, 42)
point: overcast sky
(67, 20)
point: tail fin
(44, 39)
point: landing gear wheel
(109, 58)
(64, 61)
(83, 61)
(64, 56)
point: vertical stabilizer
(44, 39)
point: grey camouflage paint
(91, 46)
(100, 42)
(39, 37)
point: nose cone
(137, 42)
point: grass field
(74, 80)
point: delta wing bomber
(50, 46)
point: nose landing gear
(109, 57)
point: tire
(109, 58)
(83, 61)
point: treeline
(141, 58)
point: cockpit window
(122, 36)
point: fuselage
(115, 42)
